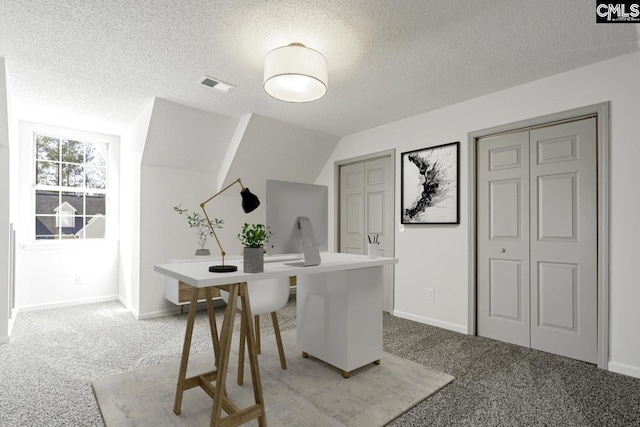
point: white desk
(180, 293)
(339, 308)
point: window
(70, 188)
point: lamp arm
(213, 232)
(237, 181)
(222, 191)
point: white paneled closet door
(366, 209)
(537, 239)
(352, 225)
(503, 238)
(564, 236)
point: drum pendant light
(295, 73)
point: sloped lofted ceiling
(98, 63)
(270, 149)
(254, 148)
(186, 138)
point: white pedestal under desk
(339, 317)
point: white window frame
(26, 185)
(62, 216)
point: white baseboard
(69, 303)
(624, 369)
(432, 322)
(217, 302)
(124, 303)
(12, 321)
(155, 314)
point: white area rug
(308, 393)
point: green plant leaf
(254, 235)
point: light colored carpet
(309, 393)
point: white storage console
(340, 317)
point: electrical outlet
(401, 228)
(431, 294)
(78, 279)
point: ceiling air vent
(216, 84)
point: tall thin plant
(197, 221)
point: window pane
(47, 173)
(47, 148)
(82, 166)
(96, 204)
(72, 202)
(94, 227)
(72, 151)
(96, 177)
(46, 227)
(72, 175)
(96, 154)
(47, 202)
(70, 213)
(96, 165)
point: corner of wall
(4, 206)
(233, 149)
(131, 150)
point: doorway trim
(601, 113)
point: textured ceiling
(98, 62)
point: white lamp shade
(295, 73)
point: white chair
(266, 296)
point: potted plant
(203, 231)
(254, 237)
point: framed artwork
(429, 185)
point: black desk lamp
(249, 203)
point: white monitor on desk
(285, 203)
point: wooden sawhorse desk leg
(222, 350)
(186, 347)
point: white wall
(165, 235)
(437, 256)
(170, 176)
(4, 207)
(48, 270)
(133, 141)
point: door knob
(503, 250)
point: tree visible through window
(70, 188)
